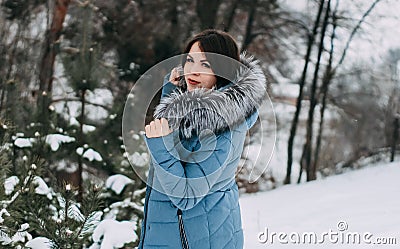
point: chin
(190, 88)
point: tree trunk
(311, 38)
(311, 172)
(227, 23)
(5, 98)
(331, 72)
(81, 142)
(328, 75)
(207, 12)
(46, 67)
(248, 37)
(395, 137)
(3, 79)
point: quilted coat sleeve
(168, 87)
(187, 180)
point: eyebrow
(205, 60)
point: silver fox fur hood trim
(216, 110)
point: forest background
(68, 66)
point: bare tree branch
(354, 31)
(78, 100)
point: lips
(193, 82)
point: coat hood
(216, 110)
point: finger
(152, 127)
(158, 127)
(174, 74)
(174, 77)
(163, 121)
(148, 131)
(165, 127)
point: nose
(195, 69)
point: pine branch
(27, 182)
(90, 205)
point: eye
(188, 59)
(206, 65)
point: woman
(196, 141)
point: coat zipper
(149, 188)
(145, 215)
(185, 244)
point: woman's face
(197, 70)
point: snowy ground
(361, 204)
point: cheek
(186, 68)
(211, 81)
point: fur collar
(216, 110)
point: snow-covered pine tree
(123, 198)
(83, 75)
(35, 215)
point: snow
(88, 128)
(117, 183)
(363, 201)
(24, 142)
(3, 212)
(137, 159)
(73, 121)
(75, 213)
(342, 205)
(4, 239)
(10, 183)
(39, 243)
(55, 140)
(42, 188)
(113, 234)
(22, 235)
(67, 166)
(89, 154)
(101, 96)
(74, 210)
(127, 203)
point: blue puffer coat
(192, 196)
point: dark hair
(218, 42)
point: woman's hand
(176, 74)
(157, 128)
